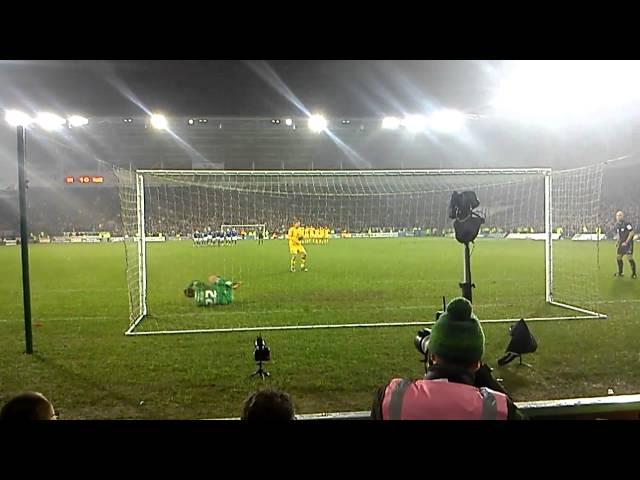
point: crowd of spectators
(182, 210)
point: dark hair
(189, 292)
(27, 406)
(268, 404)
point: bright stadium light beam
(16, 118)
(50, 121)
(549, 90)
(446, 121)
(317, 123)
(415, 123)
(159, 122)
(390, 123)
(77, 121)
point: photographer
(456, 385)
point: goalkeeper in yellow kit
(296, 235)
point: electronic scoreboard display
(84, 179)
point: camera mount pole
(467, 286)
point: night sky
(235, 88)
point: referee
(625, 244)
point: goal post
(528, 211)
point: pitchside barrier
(618, 407)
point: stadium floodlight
(317, 123)
(191, 121)
(446, 121)
(288, 122)
(390, 123)
(77, 121)
(159, 122)
(16, 118)
(415, 123)
(50, 121)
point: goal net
(389, 256)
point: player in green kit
(217, 292)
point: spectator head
(28, 406)
(457, 338)
(268, 405)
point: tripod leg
(523, 363)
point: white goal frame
(581, 313)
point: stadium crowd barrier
(613, 407)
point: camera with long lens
(422, 341)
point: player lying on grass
(217, 292)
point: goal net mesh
(390, 257)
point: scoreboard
(84, 179)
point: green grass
(89, 369)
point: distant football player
(625, 244)
(296, 249)
(217, 292)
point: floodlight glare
(317, 123)
(415, 123)
(77, 121)
(50, 121)
(190, 121)
(391, 123)
(446, 121)
(159, 122)
(559, 90)
(16, 118)
(288, 122)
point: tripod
(467, 286)
(263, 373)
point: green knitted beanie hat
(457, 335)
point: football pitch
(89, 369)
